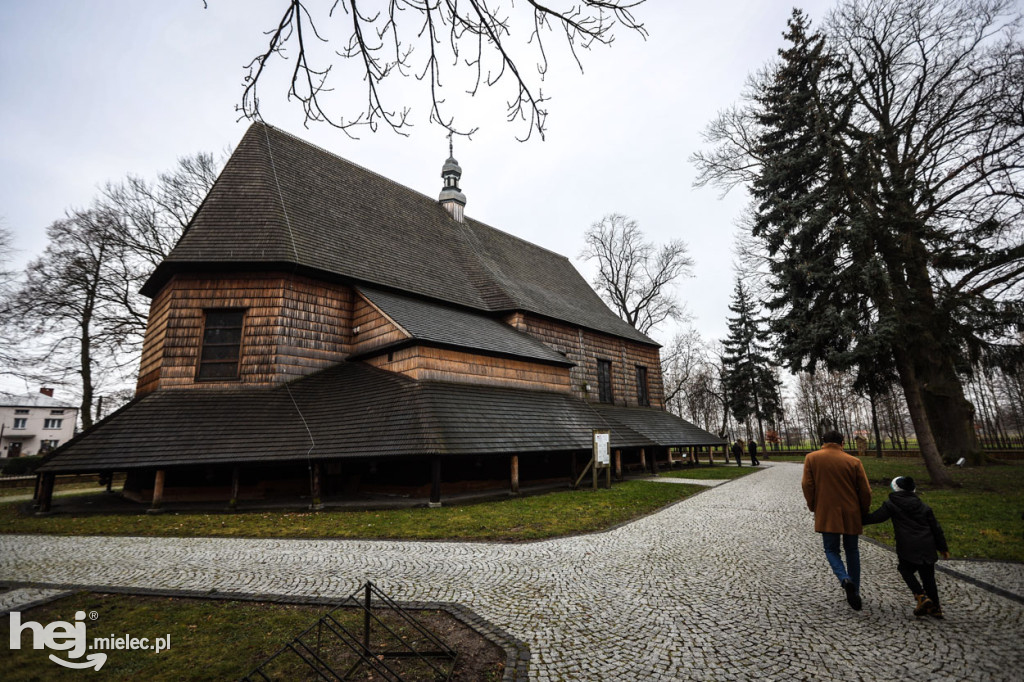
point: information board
(602, 449)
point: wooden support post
(514, 472)
(236, 475)
(35, 492)
(618, 465)
(583, 473)
(158, 492)
(643, 460)
(435, 482)
(654, 461)
(711, 456)
(45, 493)
(315, 486)
(668, 455)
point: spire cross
(450, 153)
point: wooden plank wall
(584, 347)
(440, 364)
(293, 326)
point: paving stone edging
(34, 602)
(994, 589)
(517, 652)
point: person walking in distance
(752, 448)
(837, 491)
(919, 541)
(737, 452)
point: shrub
(19, 466)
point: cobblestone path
(730, 584)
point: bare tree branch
(389, 42)
(634, 277)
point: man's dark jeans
(849, 571)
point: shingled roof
(281, 201)
(453, 327)
(354, 410)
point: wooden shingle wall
(375, 329)
(315, 328)
(584, 347)
(153, 343)
(293, 326)
(442, 364)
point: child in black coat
(919, 538)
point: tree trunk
(85, 370)
(874, 425)
(915, 405)
(950, 414)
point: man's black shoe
(852, 597)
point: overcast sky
(92, 91)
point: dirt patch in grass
(213, 639)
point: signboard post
(602, 454)
(601, 458)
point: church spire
(452, 198)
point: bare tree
(10, 355)
(80, 298)
(693, 381)
(634, 277)
(146, 218)
(681, 360)
(423, 38)
(65, 303)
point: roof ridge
(388, 180)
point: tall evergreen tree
(748, 377)
(887, 160)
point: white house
(35, 423)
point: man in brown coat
(837, 491)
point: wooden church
(321, 330)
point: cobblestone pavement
(706, 482)
(1002, 574)
(731, 584)
(20, 598)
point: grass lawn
(785, 458)
(981, 520)
(209, 639)
(717, 472)
(526, 518)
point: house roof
(33, 400)
(281, 201)
(657, 425)
(354, 410)
(446, 326)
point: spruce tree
(886, 159)
(837, 301)
(748, 377)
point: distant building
(320, 329)
(34, 424)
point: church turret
(451, 196)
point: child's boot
(924, 604)
(934, 610)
